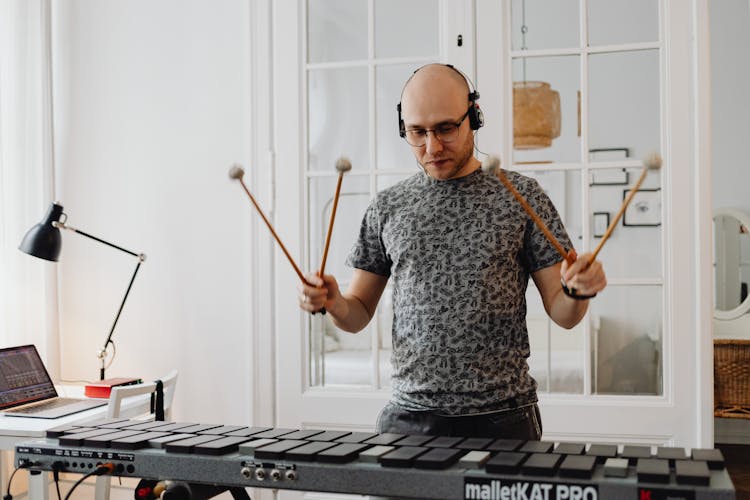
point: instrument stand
(188, 491)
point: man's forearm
(566, 311)
(349, 314)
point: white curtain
(28, 286)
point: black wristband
(571, 292)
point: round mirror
(731, 264)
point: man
(460, 250)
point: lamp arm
(71, 228)
(103, 352)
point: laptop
(26, 389)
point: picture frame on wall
(609, 177)
(600, 224)
(608, 154)
(644, 209)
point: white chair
(130, 401)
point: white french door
(338, 77)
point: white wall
(730, 74)
(152, 106)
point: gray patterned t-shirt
(459, 252)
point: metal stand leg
(39, 485)
(239, 494)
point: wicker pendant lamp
(536, 108)
(536, 115)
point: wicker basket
(732, 378)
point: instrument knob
(260, 474)
(246, 472)
(291, 474)
(276, 474)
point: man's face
(429, 105)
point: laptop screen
(23, 377)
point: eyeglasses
(445, 132)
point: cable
(56, 468)
(100, 470)
(476, 148)
(22, 465)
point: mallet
(343, 165)
(651, 162)
(236, 172)
(492, 166)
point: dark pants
(518, 423)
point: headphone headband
(476, 117)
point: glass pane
(317, 348)
(336, 30)
(406, 29)
(550, 24)
(564, 189)
(557, 355)
(566, 359)
(623, 21)
(556, 360)
(627, 340)
(633, 250)
(353, 201)
(624, 102)
(338, 357)
(538, 326)
(338, 114)
(534, 110)
(392, 150)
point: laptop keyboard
(45, 405)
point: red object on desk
(102, 388)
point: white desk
(14, 430)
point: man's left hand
(584, 278)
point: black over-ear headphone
(475, 115)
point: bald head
(437, 74)
(437, 81)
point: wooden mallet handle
(343, 165)
(651, 162)
(569, 256)
(236, 172)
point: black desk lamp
(44, 241)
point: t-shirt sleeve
(540, 252)
(368, 252)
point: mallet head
(491, 165)
(652, 161)
(343, 165)
(236, 172)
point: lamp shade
(44, 240)
(536, 115)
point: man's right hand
(318, 292)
